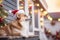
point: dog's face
(21, 16)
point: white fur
(20, 11)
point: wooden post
(18, 4)
(27, 13)
(33, 19)
(42, 35)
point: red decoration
(57, 33)
(20, 2)
(53, 22)
(1, 5)
(14, 11)
(30, 7)
(1, 20)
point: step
(21, 38)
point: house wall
(10, 4)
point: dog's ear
(18, 15)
